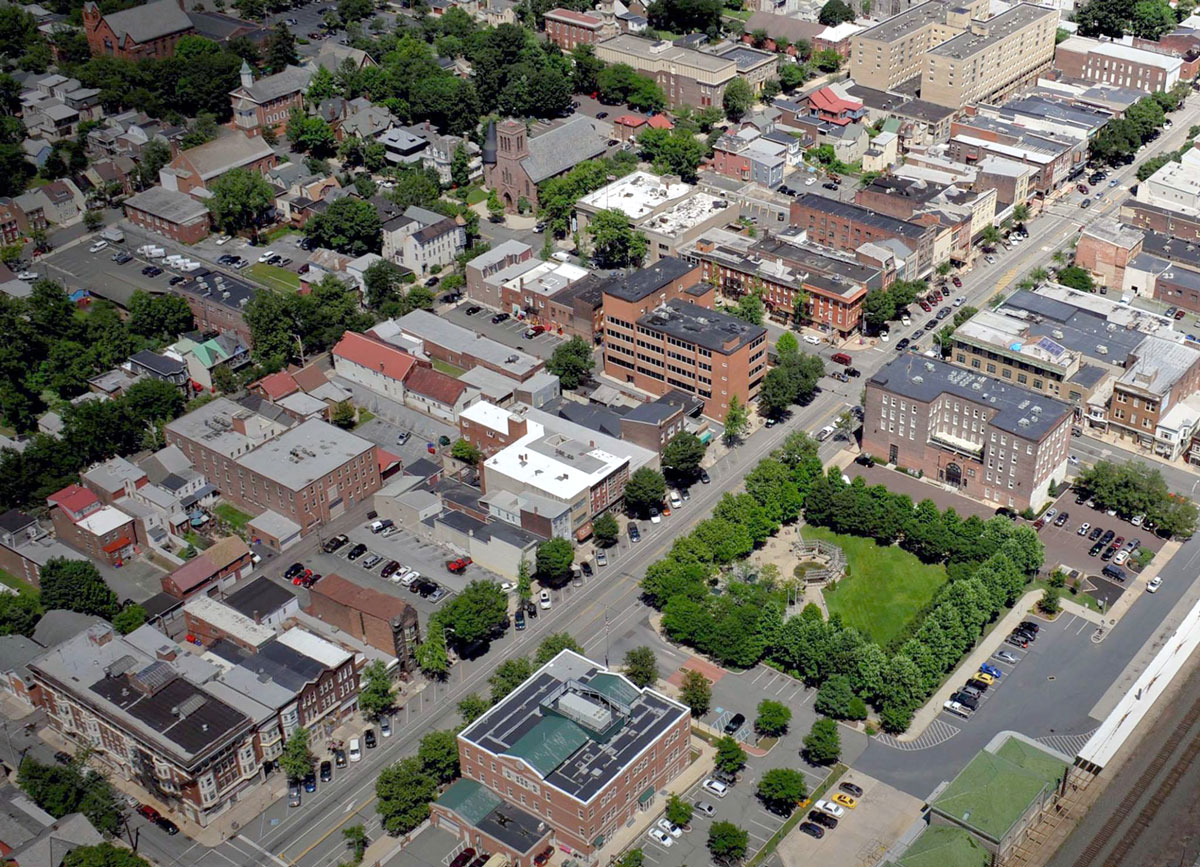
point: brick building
(490, 428)
(991, 440)
(1112, 63)
(171, 214)
(582, 748)
(81, 520)
(219, 566)
(846, 227)
(567, 28)
(196, 168)
(150, 30)
(270, 101)
(1160, 375)
(1105, 247)
(378, 619)
(514, 164)
(487, 265)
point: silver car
(371, 561)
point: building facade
(378, 619)
(1122, 65)
(148, 31)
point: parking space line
(1083, 624)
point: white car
(544, 600)
(957, 709)
(835, 810)
(676, 500)
(809, 338)
(98, 246)
(808, 182)
(670, 827)
(1050, 513)
(885, 336)
(655, 517)
(267, 255)
(1136, 520)
(27, 275)
(507, 586)
(716, 787)
(355, 750)
(400, 574)
(1084, 527)
(223, 240)
(1073, 459)
(659, 837)
(904, 320)
(411, 578)
(960, 301)
(1154, 584)
(1121, 557)
(824, 433)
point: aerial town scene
(624, 433)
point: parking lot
(509, 332)
(1065, 546)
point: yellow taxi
(847, 801)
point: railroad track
(1116, 858)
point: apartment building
(992, 440)
(1112, 63)
(491, 428)
(565, 760)
(845, 226)
(102, 532)
(895, 51)
(992, 59)
(1053, 156)
(1153, 401)
(486, 265)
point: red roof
(630, 120)
(362, 350)
(73, 498)
(436, 386)
(826, 99)
(661, 121)
(386, 459)
(278, 385)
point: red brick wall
(185, 234)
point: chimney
(101, 635)
(166, 653)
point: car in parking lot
(706, 809)
(669, 827)
(716, 787)
(735, 722)
(326, 772)
(965, 699)
(473, 309)
(1108, 553)
(1083, 528)
(659, 836)
(1005, 656)
(389, 569)
(1120, 557)
(357, 551)
(1096, 533)
(812, 829)
(823, 819)
(371, 561)
(902, 345)
(294, 796)
(991, 669)
(1016, 639)
(1096, 549)
(499, 317)
(463, 858)
(844, 799)
(310, 782)
(635, 535)
(825, 806)
(851, 789)
(1062, 519)
(601, 557)
(956, 708)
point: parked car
(473, 309)
(635, 535)
(851, 789)
(310, 782)
(812, 829)
(659, 836)
(294, 796)
(822, 819)
(369, 739)
(1083, 528)
(498, 318)
(735, 722)
(1005, 656)
(705, 808)
(1153, 584)
(357, 551)
(716, 787)
(544, 600)
(825, 806)
(326, 771)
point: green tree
(524, 581)
(431, 654)
(823, 744)
(356, 841)
(438, 753)
(776, 393)
(495, 207)
(1152, 19)
(553, 644)
(129, 618)
(738, 99)
(836, 699)
(19, 614)
(641, 667)
(460, 167)
(750, 308)
(403, 792)
(466, 452)
(76, 585)
(350, 11)
(103, 855)
(71, 788)
(92, 220)
(281, 48)
(687, 16)
(736, 419)
(631, 858)
(344, 415)
(349, 225)
(1051, 601)
(696, 692)
(645, 488)
(472, 706)
(773, 718)
(614, 243)
(727, 842)
(1076, 278)
(835, 12)
(296, 760)
(376, 694)
(240, 200)
(731, 758)
(158, 316)
(675, 151)
(682, 455)
(1104, 18)
(605, 530)
(554, 559)
(572, 362)
(827, 60)
(782, 788)
(382, 281)
(679, 811)
(510, 674)
(475, 613)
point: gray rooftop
(428, 327)
(260, 598)
(1082, 330)
(150, 21)
(168, 205)
(561, 148)
(746, 57)
(1158, 364)
(907, 22)
(851, 211)
(292, 79)
(300, 456)
(643, 282)
(992, 31)
(61, 625)
(711, 329)
(925, 379)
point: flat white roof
(487, 414)
(1010, 150)
(635, 195)
(557, 465)
(104, 521)
(547, 278)
(228, 620)
(1121, 52)
(313, 646)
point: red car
(957, 283)
(1179, 314)
(464, 858)
(543, 857)
(149, 812)
(924, 305)
(1039, 523)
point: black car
(433, 281)
(519, 620)
(1096, 533)
(1109, 552)
(530, 609)
(965, 700)
(146, 271)
(167, 825)
(1108, 536)
(369, 739)
(451, 297)
(944, 312)
(1062, 518)
(122, 257)
(978, 685)
(498, 318)
(823, 819)
(830, 186)
(310, 782)
(853, 371)
(1030, 626)
(704, 479)
(1031, 636)
(812, 830)
(357, 551)
(293, 570)
(333, 544)
(735, 722)
(1096, 549)
(635, 535)
(851, 789)
(902, 344)
(586, 568)
(339, 758)
(326, 771)
(930, 325)
(176, 280)
(473, 309)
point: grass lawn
(236, 518)
(886, 587)
(279, 279)
(476, 196)
(1065, 594)
(22, 587)
(364, 416)
(447, 368)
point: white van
(355, 750)
(716, 787)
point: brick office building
(846, 227)
(1112, 63)
(992, 440)
(173, 215)
(579, 747)
(1105, 248)
(1159, 376)
(382, 621)
(491, 428)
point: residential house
(420, 240)
(82, 521)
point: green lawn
(279, 279)
(364, 416)
(886, 587)
(236, 518)
(476, 196)
(22, 587)
(447, 368)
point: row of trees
(1119, 139)
(1134, 488)
(882, 306)
(793, 380)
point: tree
(554, 559)
(773, 718)
(103, 855)
(641, 667)
(782, 788)
(240, 200)
(343, 415)
(687, 16)
(438, 753)
(92, 220)
(614, 243)
(382, 281)
(776, 393)
(376, 694)
(1152, 18)
(296, 759)
(675, 151)
(19, 614)
(679, 811)
(1076, 278)
(71, 788)
(475, 613)
(356, 841)
(76, 585)
(403, 793)
(281, 48)
(835, 12)
(827, 60)
(472, 706)
(645, 488)
(553, 644)
(836, 699)
(605, 530)
(350, 11)
(1104, 18)
(495, 207)
(727, 842)
(524, 586)
(348, 225)
(738, 99)
(158, 316)
(460, 166)
(431, 654)
(682, 455)
(129, 618)
(731, 758)
(750, 308)
(736, 420)
(1051, 601)
(696, 692)
(509, 675)
(466, 451)
(572, 362)
(632, 858)
(823, 744)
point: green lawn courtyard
(279, 279)
(885, 589)
(233, 516)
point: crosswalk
(1068, 745)
(938, 732)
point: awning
(644, 797)
(583, 532)
(113, 547)
(193, 498)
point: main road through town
(311, 835)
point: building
(895, 51)
(196, 168)
(1113, 63)
(991, 440)
(437, 394)
(514, 163)
(748, 155)
(480, 270)
(1160, 376)
(567, 28)
(148, 31)
(587, 751)
(378, 619)
(687, 76)
(265, 602)
(147, 711)
(1105, 248)
(1054, 156)
(217, 567)
(490, 428)
(171, 214)
(846, 227)
(270, 101)
(81, 520)
(428, 336)
(372, 364)
(422, 240)
(661, 333)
